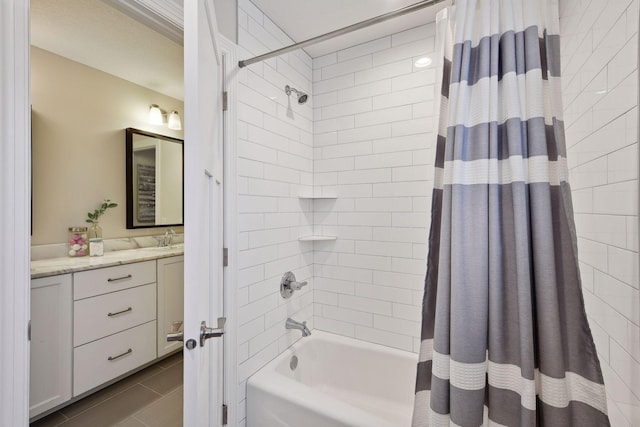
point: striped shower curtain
(505, 339)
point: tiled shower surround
(366, 136)
(599, 42)
(274, 166)
(374, 134)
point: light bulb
(174, 121)
(155, 115)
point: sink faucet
(167, 239)
(292, 324)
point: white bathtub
(339, 382)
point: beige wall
(78, 121)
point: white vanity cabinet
(51, 343)
(114, 328)
(170, 300)
(93, 326)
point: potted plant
(95, 231)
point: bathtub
(338, 382)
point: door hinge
(29, 331)
(225, 257)
(225, 101)
(225, 415)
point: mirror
(155, 180)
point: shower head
(302, 97)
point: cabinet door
(170, 300)
(51, 347)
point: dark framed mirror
(155, 179)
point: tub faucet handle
(288, 285)
(296, 286)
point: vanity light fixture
(174, 122)
(156, 117)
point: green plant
(93, 217)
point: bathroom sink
(176, 247)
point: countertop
(64, 265)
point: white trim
(15, 184)
(165, 17)
(213, 29)
(231, 234)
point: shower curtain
(505, 339)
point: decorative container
(96, 246)
(78, 241)
(95, 231)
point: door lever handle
(206, 333)
(176, 333)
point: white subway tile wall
(366, 136)
(374, 136)
(599, 47)
(274, 166)
(369, 142)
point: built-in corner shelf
(316, 238)
(317, 197)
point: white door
(203, 214)
(15, 214)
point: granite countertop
(64, 265)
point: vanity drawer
(104, 280)
(127, 350)
(97, 317)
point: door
(15, 216)
(203, 214)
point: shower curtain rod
(362, 24)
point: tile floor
(151, 398)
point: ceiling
(99, 36)
(304, 19)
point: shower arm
(341, 31)
(288, 89)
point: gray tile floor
(151, 398)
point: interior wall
(374, 138)
(79, 115)
(274, 164)
(599, 47)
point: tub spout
(292, 324)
